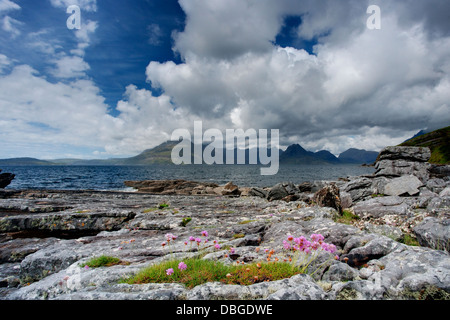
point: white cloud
(88, 5)
(70, 67)
(155, 34)
(7, 5)
(38, 111)
(11, 26)
(361, 83)
(4, 62)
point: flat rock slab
(404, 185)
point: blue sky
(138, 70)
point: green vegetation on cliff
(439, 143)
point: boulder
(381, 206)
(328, 197)
(398, 168)
(445, 192)
(400, 161)
(358, 189)
(434, 233)
(412, 154)
(408, 185)
(277, 192)
(258, 192)
(230, 190)
(6, 179)
(305, 187)
(436, 185)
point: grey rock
(358, 189)
(413, 269)
(445, 192)
(385, 230)
(380, 206)
(258, 192)
(374, 249)
(340, 271)
(346, 199)
(403, 185)
(416, 154)
(434, 233)
(277, 192)
(440, 171)
(436, 185)
(398, 168)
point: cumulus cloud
(358, 84)
(50, 113)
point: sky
(137, 70)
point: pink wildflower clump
(302, 244)
(170, 237)
(169, 271)
(182, 266)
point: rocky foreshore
(391, 230)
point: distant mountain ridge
(294, 154)
(353, 155)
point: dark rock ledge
(45, 235)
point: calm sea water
(113, 177)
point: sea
(111, 178)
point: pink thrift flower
(191, 238)
(217, 246)
(232, 250)
(182, 266)
(331, 248)
(169, 271)
(205, 233)
(290, 238)
(286, 245)
(316, 237)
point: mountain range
(438, 141)
(161, 154)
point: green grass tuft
(202, 271)
(102, 261)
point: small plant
(163, 205)
(102, 261)
(185, 221)
(376, 195)
(409, 240)
(238, 235)
(347, 217)
(246, 221)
